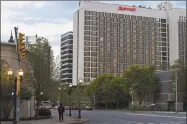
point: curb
(79, 122)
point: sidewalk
(67, 120)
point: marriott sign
(121, 8)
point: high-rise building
(66, 57)
(109, 38)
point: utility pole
(176, 90)
(94, 100)
(17, 99)
(132, 99)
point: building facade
(66, 57)
(109, 38)
(9, 58)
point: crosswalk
(130, 122)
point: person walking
(61, 112)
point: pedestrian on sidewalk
(61, 112)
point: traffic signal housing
(21, 46)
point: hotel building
(66, 57)
(109, 38)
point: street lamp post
(94, 100)
(70, 90)
(20, 78)
(62, 93)
(10, 73)
(132, 94)
(79, 104)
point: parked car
(56, 107)
(88, 108)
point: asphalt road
(113, 117)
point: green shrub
(44, 112)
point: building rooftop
(69, 32)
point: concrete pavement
(54, 120)
(113, 117)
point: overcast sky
(48, 18)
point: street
(113, 117)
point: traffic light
(21, 46)
(173, 84)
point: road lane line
(156, 115)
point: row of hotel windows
(119, 68)
(123, 43)
(127, 33)
(127, 28)
(122, 49)
(122, 60)
(127, 39)
(134, 34)
(94, 23)
(182, 18)
(105, 14)
(122, 30)
(122, 21)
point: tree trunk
(37, 108)
(140, 102)
(106, 106)
(117, 105)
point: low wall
(26, 109)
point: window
(86, 48)
(94, 59)
(86, 27)
(94, 75)
(86, 32)
(86, 58)
(86, 37)
(94, 38)
(93, 48)
(87, 22)
(93, 54)
(86, 74)
(94, 70)
(93, 64)
(86, 53)
(93, 43)
(87, 17)
(87, 12)
(86, 64)
(86, 69)
(87, 43)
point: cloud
(31, 23)
(49, 19)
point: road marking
(156, 115)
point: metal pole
(132, 98)
(70, 105)
(94, 100)
(17, 97)
(15, 105)
(79, 109)
(176, 91)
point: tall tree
(56, 69)
(142, 80)
(181, 68)
(40, 57)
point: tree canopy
(143, 81)
(181, 68)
